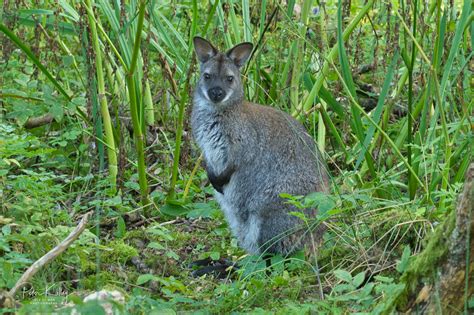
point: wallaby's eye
(207, 76)
(230, 78)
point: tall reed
(104, 107)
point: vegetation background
(94, 115)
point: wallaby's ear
(240, 53)
(204, 50)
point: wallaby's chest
(213, 139)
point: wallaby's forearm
(218, 181)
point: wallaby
(253, 153)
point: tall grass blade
(384, 135)
(98, 129)
(181, 110)
(377, 112)
(212, 11)
(331, 101)
(104, 107)
(135, 108)
(306, 104)
(222, 23)
(246, 21)
(235, 24)
(347, 77)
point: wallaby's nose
(216, 94)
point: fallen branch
(52, 254)
(34, 122)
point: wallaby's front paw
(221, 269)
(219, 181)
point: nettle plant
(361, 292)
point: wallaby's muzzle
(216, 94)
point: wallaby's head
(220, 83)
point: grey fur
(253, 153)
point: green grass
(118, 81)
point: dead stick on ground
(61, 247)
(34, 122)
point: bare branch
(52, 254)
(34, 122)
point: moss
(120, 252)
(94, 281)
(423, 265)
(87, 265)
(137, 233)
(435, 250)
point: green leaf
(115, 201)
(6, 229)
(71, 12)
(406, 59)
(57, 111)
(323, 202)
(161, 232)
(299, 215)
(331, 101)
(121, 228)
(343, 275)
(358, 279)
(36, 11)
(4, 245)
(455, 45)
(202, 210)
(286, 196)
(174, 210)
(367, 289)
(156, 245)
(403, 264)
(145, 278)
(132, 185)
(171, 254)
(470, 303)
(33, 58)
(74, 299)
(215, 255)
(346, 73)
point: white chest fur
(210, 137)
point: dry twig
(49, 256)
